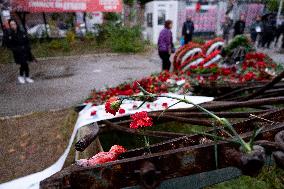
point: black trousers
(165, 56)
(267, 39)
(24, 69)
(187, 38)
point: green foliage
(111, 16)
(269, 178)
(59, 45)
(273, 5)
(89, 36)
(120, 38)
(6, 55)
(128, 2)
(239, 41)
(70, 37)
(198, 40)
(55, 45)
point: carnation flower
(93, 113)
(140, 119)
(113, 105)
(103, 157)
(249, 76)
(165, 105)
(121, 111)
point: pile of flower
(192, 67)
(255, 67)
(163, 82)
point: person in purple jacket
(165, 45)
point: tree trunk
(22, 17)
(45, 25)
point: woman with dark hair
(165, 45)
(18, 42)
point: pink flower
(148, 106)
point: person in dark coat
(165, 45)
(187, 30)
(226, 26)
(268, 32)
(239, 27)
(17, 41)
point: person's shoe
(21, 80)
(29, 80)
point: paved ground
(64, 83)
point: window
(161, 17)
(150, 20)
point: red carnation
(249, 76)
(165, 105)
(93, 113)
(140, 119)
(261, 65)
(112, 105)
(121, 111)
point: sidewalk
(61, 83)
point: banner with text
(67, 5)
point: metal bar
(231, 105)
(171, 164)
(159, 134)
(86, 140)
(266, 87)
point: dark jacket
(255, 25)
(226, 26)
(188, 28)
(269, 27)
(239, 27)
(19, 44)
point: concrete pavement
(61, 83)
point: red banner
(67, 5)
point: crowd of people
(263, 32)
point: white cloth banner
(32, 181)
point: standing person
(165, 45)
(187, 30)
(268, 32)
(17, 41)
(256, 30)
(278, 31)
(240, 25)
(227, 25)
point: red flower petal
(140, 119)
(121, 111)
(93, 113)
